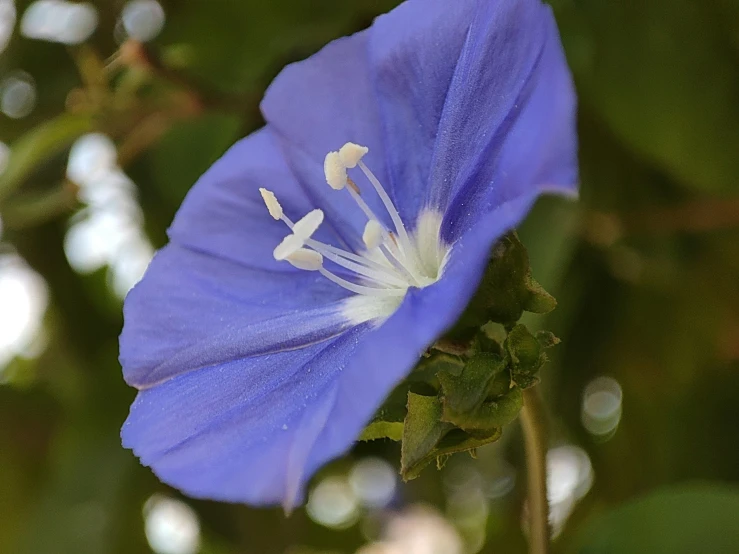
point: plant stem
(532, 422)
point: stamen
(394, 264)
(308, 260)
(359, 289)
(275, 210)
(373, 234)
(351, 153)
(305, 227)
(327, 248)
(389, 206)
(335, 171)
(383, 277)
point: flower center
(393, 259)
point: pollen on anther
(372, 235)
(303, 258)
(351, 153)
(335, 171)
(289, 245)
(308, 224)
(275, 210)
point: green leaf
(645, 88)
(426, 438)
(492, 413)
(423, 431)
(524, 349)
(39, 144)
(539, 301)
(380, 429)
(463, 395)
(506, 291)
(680, 520)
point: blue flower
(263, 338)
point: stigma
(393, 259)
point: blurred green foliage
(645, 269)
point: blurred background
(109, 112)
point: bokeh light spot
(4, 157)
(143, 20)
(17, 95)
(23, 297)
(171, 526)
(7, 22)
(601, 406)
(373, 482)
(332, 503)
(59, 21)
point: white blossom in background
(171, 526)
(108, 232)
(7, 22)
(59, 21)
(23, 301)
(143, 20)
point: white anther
(303, 258)
(373, 234)
(335, 171)
(351, 153)
(275, 210)
(305, 227)
(289, 245)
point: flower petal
(224, 214)
(531, 143)
(255, 429)
(477, 103)
(192, 310)
(413, 53)
(316, 106)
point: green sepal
(426, 438)
(464, 394)
(547, 339)
(539, 301)
(526, 356)
(506, 291)
(491, 413)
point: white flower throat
(393, 260)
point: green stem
(532, 422)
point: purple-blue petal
(513, 69)
(255, 429)
(250, 378)
(223, 214)
(193, 309)
(316, 106)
